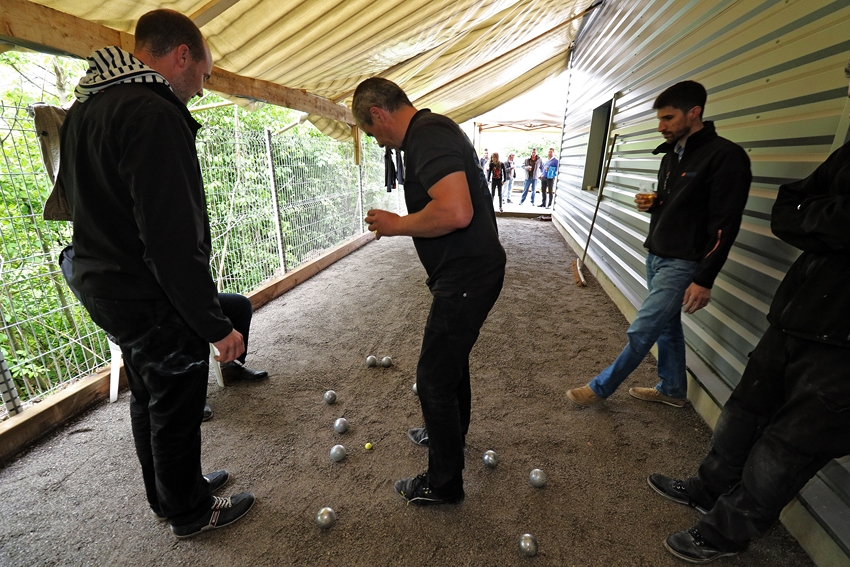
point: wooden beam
(41, 28)
(210, 11)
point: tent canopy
(457, 57)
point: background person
(547, 178)
(453, 225)
(532, 167)
(496, 173)
(509, 178)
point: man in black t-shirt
(453, 226)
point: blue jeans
(659, 319)
(533, 183)
(509, 186)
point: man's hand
(230, 347)
(382, 223)
(644, 201)
(696, 297)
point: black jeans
(442, 381)
(167, 365)
(496, 185)
(238, 309)
(789, 416)
(545, 184)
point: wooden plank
(41, 28)
(20, 430)
(278, 286)
(210, 11)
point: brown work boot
(583, 396)
(653, 395)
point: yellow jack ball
(368, 446)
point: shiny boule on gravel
(537, 478)
(325, 518)
(528, 545)
(491, 459)
(371, 361)
(330, 397)
(341, 425)
(415, 389)
(386, 362)
(337, 453)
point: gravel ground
(76, 497)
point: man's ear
(182, 56)
(377, 115)
(695, 112)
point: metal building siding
(773, 71)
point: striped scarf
(113, 66)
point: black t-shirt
(468, 260)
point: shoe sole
(659, 401)
(210, 528)
(681, 501)
(419, 501)
(695, 560)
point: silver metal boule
(491, 459)
(537, 478)
(386, 362)
(337, 453)
(325, 518)
(341, 425)
(528, 545)
(330, 397)
(415, 389)
(371, 361)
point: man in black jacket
(696, 213)
(142, 246)
(790, 414)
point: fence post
(281, 252)
(7, 389)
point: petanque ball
(330, 397)
(386, 362)
(491, 459)
(341, 425)
(415, 389)
(537, 478)
(371, 361)
(337, 453)
(325, 518)
(528, 545)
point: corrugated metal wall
(774, 74)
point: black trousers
(167, 366)
(443, 383)
(496, 184)
(545, 184)
(789, 416)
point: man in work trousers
(696, 213)
(454, 231)
(547, 180)
(790, 414)
(142, 246)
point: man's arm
(450, 209)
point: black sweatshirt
(700, 202)
(141, 230)
(813, 301)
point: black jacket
(700, 202)
(141, 230)
(813, 301)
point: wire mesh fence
(274, 203)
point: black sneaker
(217, 480)
(223, 512)
(237, 372)
(674, 490)
(690, 546)
(416, 491)
(207, 413)
(419, 435)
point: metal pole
(281, 252)
(7, 389)
(360, 214)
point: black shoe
(692, 547)
(237, 372)
(509, 201)
(416, 491)
(224, 512)
(419, 435)
(216, 479)
(207, 413)
(674, 490)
